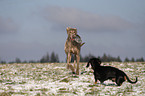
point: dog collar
(72, 39)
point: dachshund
(103, 73)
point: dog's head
(95, 62)
(72, 32)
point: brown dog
(72, 46)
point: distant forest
(54, 58)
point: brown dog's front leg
(68, 63)
(68, 60)
(78, 60)
(74, 61)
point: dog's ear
(67, 29)
(99, 61)
(75, 30)
(91, 61)
(96, 62)
(88, 64)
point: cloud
(63, 17)
(7, 26)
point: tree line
(47, 58)
(109, 58)
(54, 58)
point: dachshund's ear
(88, 64)
(98, 61)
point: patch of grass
(63, 90)
(129, 89)
(65, 80)
(19, 93)
(31, 89)
(93, 90)
(91, 85)
(38, 94)
(125, 91)
(44, 89)
(5, 94)
(1, 81)
(92, 93)
(75, 76)
(56, 74)
(11, 83)
(23, 82)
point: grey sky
(30, 28)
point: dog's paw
(73, 73)
(95, 83)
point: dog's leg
(78, 60)
(68, 63)
(96, 79)
(95, 82)
(68, 60)
(119, 80)
(113, 79)
(125, 78)
(74, 61)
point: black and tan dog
(73, 46)
(103, 73)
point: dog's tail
(82, 44)
(126, 77)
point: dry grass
(54, 79)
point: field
(53, 79)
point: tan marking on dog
(125, 78)
(95, 82)
(113, 79)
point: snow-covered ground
(56, 80)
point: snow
(54, 79)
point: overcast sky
(31, 28)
